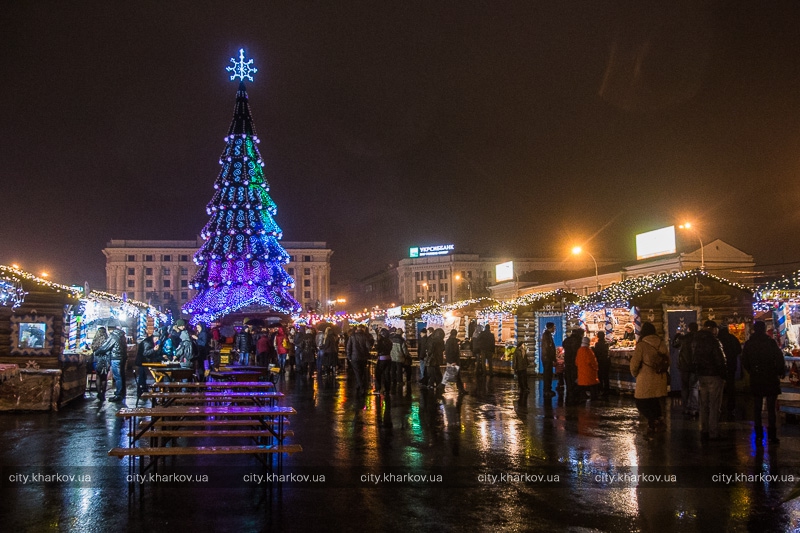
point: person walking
(433, 365)
(763, 360)
(732, 349)
(571, 346)
(586, 364)
(308, 351)
(328, 353)
(452, 353)
(282, 346)
(243, 344)
(548, 358)
(422, 353)
(603, 364)
(398, 353)
(688, 373)
(520, 367)
(712, 369)
(480, 368)
(101, 363)
(651, 385)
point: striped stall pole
(500, 328)
(142, 326)
(515, 329)
(637, 320)
(582, 320)
(609, 324)
(779, 318)
(72, 339)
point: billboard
(504, 271)
(427, 251)
(654, 243)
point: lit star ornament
(242, 69)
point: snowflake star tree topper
(242, 69)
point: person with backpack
(763, 360)
(709, 361)
(649, 365)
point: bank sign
(427, 251)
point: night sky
(514, 128)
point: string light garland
(785, 289)
(241, 261)
(25, 278)
(532, 300)
(11, 293)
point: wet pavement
(411, 461)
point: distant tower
(241, 261)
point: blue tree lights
(241, 261)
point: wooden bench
(202, 450)
(220, 433)
(204, 423)
(204, 397)
(214, 385)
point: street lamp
(688, 226)
(469, 285)
(577, 250)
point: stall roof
(464, 306)
(532, 300)
(620, 294)
(29, 283)
(416, 310)
(113, 298)
(784, 289)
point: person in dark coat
(146, 352)
(244, 345)
(116, 349)
(571, 346)
(548, 358)
(422, 353)
(763, 360)
(308, 351)
(683, 342)
(452, 353)
(520, 367)
(203, 340)
(733, 349)
(383, 368)
(101, 362)
(711, 373)
(433, 364)
(603, 364)
(487, 342)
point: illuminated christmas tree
(241, 261)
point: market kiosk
(670, 302)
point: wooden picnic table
(235, 376)
(214, 385)
(168, 371)
(255, 397)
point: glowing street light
(45, 274)
(469, 285)
(577, 250)
(688, 226)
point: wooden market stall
(526, 317)
(33, 332)
(669, 301)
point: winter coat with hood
(587, 365)
(649, 383)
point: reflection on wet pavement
(414, 460)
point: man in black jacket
(358, 346)
(422, 353)
(548, 358)
(733, 349)
(116, 349)
(487, 342)
(571, 346)
(243, 343)
(763, 360)
(683, 342)
(709, 360)
(146, 352)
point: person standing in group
(308, 351)
(146, 352)
(763, 360)
(487, 342)
(243, 344)
(732, 349)
(185, 350)
(330, 351)
(116, 349)
(712, 369)
(422, 353)
(629, 334)
(383, 367)
(202, 338)
(398, 353)
(571, 346)
(651, 385)
(480, 368)
(686, 366)
(101, 362)
(452, 353)
(282, 345)
(165, 342)
(433, 365)
(262, 348)
(298, 348)
(586, 365)
(407, 361)
(358, 347)
(520, 367)
(548, 358)
(603, 364)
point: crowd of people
(708, 359)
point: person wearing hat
(712, 369)
(629, 334)
(587, 365)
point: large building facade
(160, 272)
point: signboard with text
(427, 251)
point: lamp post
(688, 226)
(469, 285)
(577, 250)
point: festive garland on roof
(11, 293)
(123, 302)
(621, 293)
(786, 288)
(455, 306)
(511, 306)
(14, 274)
(413, 311)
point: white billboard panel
(504, 271)
(654, 243)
